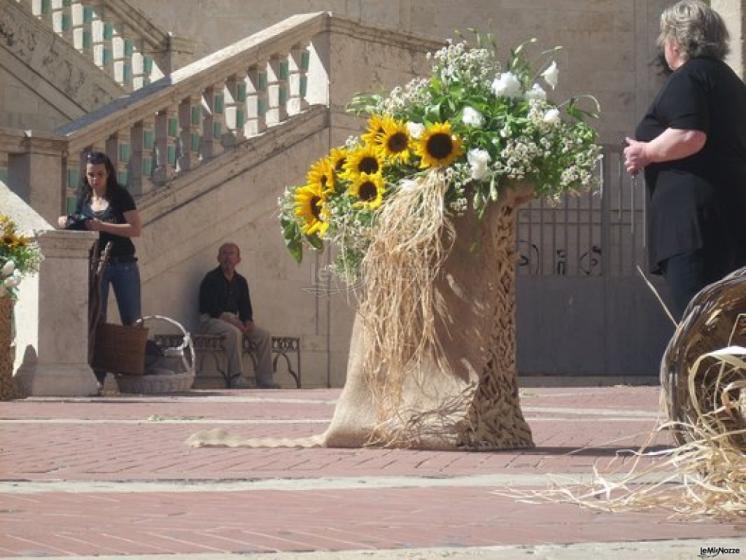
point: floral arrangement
(19, 256)
(485, 127)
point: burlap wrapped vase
(8, 387)
(432, 354)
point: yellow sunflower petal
(309, 205)
(367, 159)
(438, 146)
(396, 143)
(368, 190)
(372, 135)
(338, 157)
(321, 175)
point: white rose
(478, 161)
(551, 74)
(507, 85)
(7, 269)
(472, 117)
(11, 281)
(408, 185)
(552, 116)
(536, 92)
(415, 129)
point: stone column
(36, 174)
(51, 318)
(734, 14)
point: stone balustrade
(119, 39)
(178, 122)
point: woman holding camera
(104, 206)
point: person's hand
(62, 222)
(635, 158)
(248, 327)
(93, 224)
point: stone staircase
(113, 35)
(206, 151)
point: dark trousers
(686, 274)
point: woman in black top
(106, 207)
(692, 147)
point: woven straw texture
(8, 388)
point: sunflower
(438, 146)
(366, 159)
(374, 133)
(338, 157)
(321, 175)
(309, 205)
(368, 189)
(395, 142)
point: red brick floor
(107, 456)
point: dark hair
(97, 158)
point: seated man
(225, 308)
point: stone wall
(608, 44)
(44, 81)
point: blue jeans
(124, 277)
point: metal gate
(582, 306)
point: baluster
(118, 47)
(277, 89)
(213, 124)
(256, 102)
(298, 79)
(61, 19)
(190, 121)
(137, 62)
(166, 133)
(74, 170)
(119, 150)
(141, 164)
(42, 9)
(235, 108)
(78, 25)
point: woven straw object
(715, 319)
(8, 388)
(460, 390)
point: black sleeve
(684, 103)
(208, 297)
(245, 313)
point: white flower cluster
(9, 278)
(415, 92)
(579, 173)
(518, 159)
(456, 62)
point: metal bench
(212, 345)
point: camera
(76, 222)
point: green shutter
(303, 86)
(108, 31)
(216, 130)
(195, 142)
(305, 58)
(241, 91)
(87, 14)
(196, 113)
(173, 126)
(148, 139)
(218, 103)
(171, 155)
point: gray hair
(698, 29)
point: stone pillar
(37, 176)
(734, 14)
(51, 318)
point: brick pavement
(113, 476)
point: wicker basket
(716, 318)
(120, 349)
